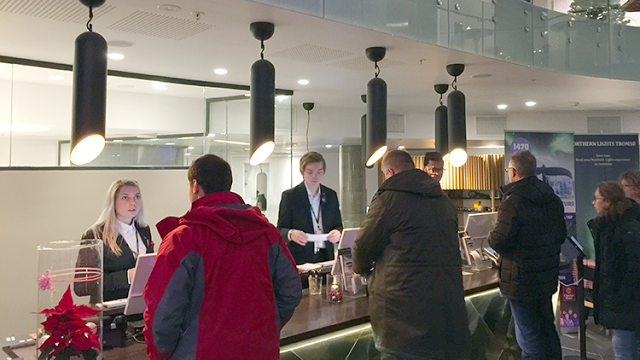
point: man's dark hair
(212, 173)
(524, 162)
(432, 156)
(398, 160)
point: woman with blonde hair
(616, 235)
(125, 235)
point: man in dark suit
(310, 208)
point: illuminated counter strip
(323, 330)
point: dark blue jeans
(535, 329)
(626, 344)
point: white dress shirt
(316, 214)
(130, 235)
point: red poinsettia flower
(68, 332)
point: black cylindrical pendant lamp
(376, 119)
(441, 120)
(457, 128)
(363, 138)
(442, 130)
(263, 92)
(89, 94)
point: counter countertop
(314, 316)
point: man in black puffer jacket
(528, 236)
(408, 246)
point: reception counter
(320, 329)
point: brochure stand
(351, 282)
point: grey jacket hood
(413, 181)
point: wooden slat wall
(481, 172)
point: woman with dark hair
(616, 234)
(630, 182)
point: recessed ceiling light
(211, 135)
(530, 103)
(187, 153)
(171, 143)
(158, 85)
(117, 140)
(328, 146)
(115, 56)
(401, 147)
(120, 43)
(190, 148)
(247, 95)
(481, 76)
(223, 133)
(220, 71)
(154, 139)
(169, 7)
(56, 77)
(502, 106)
(303, 82)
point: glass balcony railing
(511, 30)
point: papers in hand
(317, 237)
(306, 267)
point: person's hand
(334, 236)
(130, 274)
(299, 237)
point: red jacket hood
(240, 226)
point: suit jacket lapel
(304, 197)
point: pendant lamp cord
(308, 120)
(454, 84)
(89, 25)
(261, 49)
(377, 69)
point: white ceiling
(191, 49)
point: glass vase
(74, 265)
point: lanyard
(317, 218)
(135, 255)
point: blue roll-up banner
(599, 157)
(555, 164)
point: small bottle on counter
(315, 282)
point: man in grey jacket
(408, 246)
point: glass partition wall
(150, 124)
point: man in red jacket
(224, 282)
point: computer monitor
(135, 301)
(478, 227)
(347, 238)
